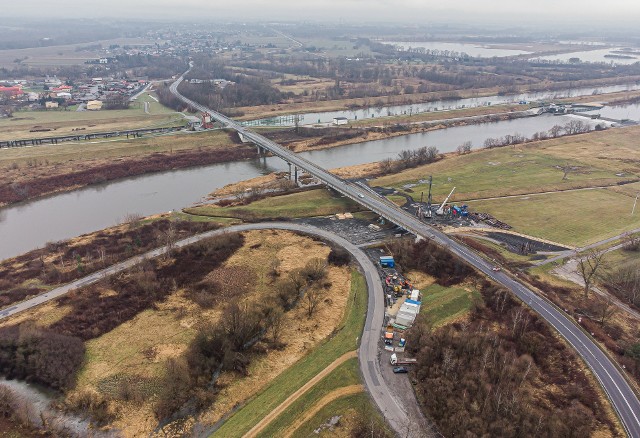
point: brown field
(59, 263)
(61, 55)
(121, 354)
(61, 123)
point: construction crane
(428, 212)
(440, 210)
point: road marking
(373, 373)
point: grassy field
(571, 218)
(444, 304)
(168, 328)
(349, 408)
(62, 54)
(70, 122)
(290, 380)
(345, 375)
(503, 171)
(318, 202)
(107, 149)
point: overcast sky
(517, 12)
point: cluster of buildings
(51, 92)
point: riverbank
(30, 173)
(388, 130)
(35, 172)
(97, 172)
(266, 111)
(521, 170)
(39, 171)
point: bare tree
(464, 148)
(631, 241)
(588, 267)
(566, 169)
(555, 131)
(274, 321)
(168, 238)
(606, 308)
(386, 165)
(313, 298)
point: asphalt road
(617, 388)
(368, 351)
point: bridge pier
(295, 174)
(289, 170)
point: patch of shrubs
(37, 355)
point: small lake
(598, 55)
(471, 49)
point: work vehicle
(406, 361)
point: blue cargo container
(387, 262)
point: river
(32, 224)
(445, 104)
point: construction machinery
(427, 213)
(440, 210)
(207, 121)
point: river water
(475, 50)
(439, 105)
(599, 55)
(32, 224)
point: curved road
(368, 351)
(622, 396)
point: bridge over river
(608, 373)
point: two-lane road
(623, 398)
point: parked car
(400, 370)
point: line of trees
(571, 128)
(427, 257)
(410, 158)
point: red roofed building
(12, 91)
(62, 89)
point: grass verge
(344, 340)
(345, 375)
(357, 405)
(318, 202)
(444, 304)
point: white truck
(406, 361)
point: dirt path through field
(255, 430)
(309, 414)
